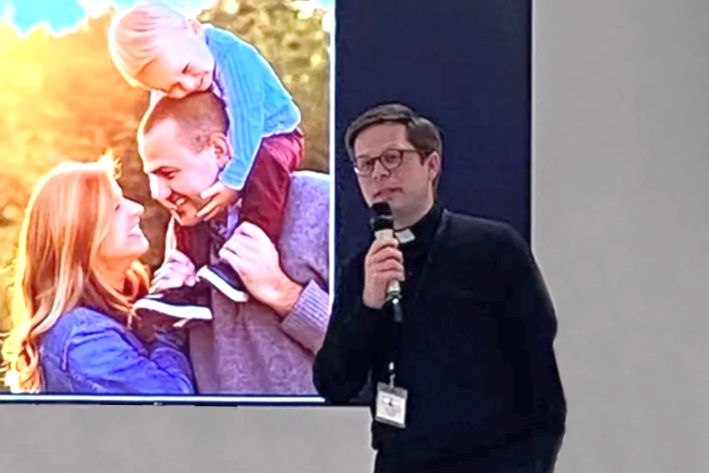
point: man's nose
(379, 171)
(158, 189)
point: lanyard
(397, 325)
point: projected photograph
(164, 199)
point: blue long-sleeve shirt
(88, 352)
(257, 104)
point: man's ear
(220, 146)
(433, 164)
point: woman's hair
(68, 215)
(134, 36)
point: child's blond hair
(134, 36)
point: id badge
(391, 405)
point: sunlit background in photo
(62, 99)
(61, 16)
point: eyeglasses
(390, 159)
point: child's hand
(177, 271)
(218, 197)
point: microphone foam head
(382, 218)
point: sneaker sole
(212, 278)
(193, 311)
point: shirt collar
(423, 231)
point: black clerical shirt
(475, 353)
(417, 241)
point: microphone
(382, 222)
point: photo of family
(165, 199)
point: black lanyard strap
(395, 306)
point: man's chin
(392, 200)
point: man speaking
(460, 363)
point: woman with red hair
(77, 274)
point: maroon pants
(265, 193)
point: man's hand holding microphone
(384, 263)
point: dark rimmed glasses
(389, 159)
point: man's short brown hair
(420, 131)
(197, 116)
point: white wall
(620, 136)
(621, 226)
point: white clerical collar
(405, 235)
